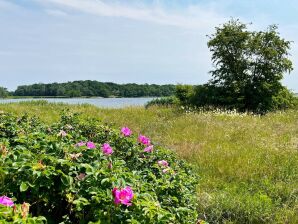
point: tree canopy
(3, 92)
(249, 65)
(94, 88)
(248, 69)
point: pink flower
(149, 148)
(107, 149)
(6, 201)
(123, 196)
(62, 133)
(90, 145)
(79, 144)
(144, 140)
(126, 131)
(163, 163)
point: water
(99, 102)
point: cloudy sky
(149, 41)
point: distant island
(90, 88)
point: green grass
(248, 164)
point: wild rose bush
(83, 171)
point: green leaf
(23, 187)
(104, 180)
(66, 180)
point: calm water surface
(100, 102)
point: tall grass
(248, 164)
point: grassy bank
(248, 164)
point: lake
(99, 102)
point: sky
(126, 41)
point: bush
(164, 101)
(209, 97)
(82, 171)
(184, 93)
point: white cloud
(193, 17)
(55, 12)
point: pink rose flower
(123, 196)
(149, 148)
(144, 140)
(6, 201)
(163, 163)
(90, 145)
(107, 149)
(126, 131)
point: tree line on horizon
(91, 89)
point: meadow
(248, 164)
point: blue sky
(149, 41)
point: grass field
(248, 164)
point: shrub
(82, 171)
(209, 97)
(164, 101)
(184, 93)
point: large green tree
(248, 65)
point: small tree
(3, 92)
(248, 65)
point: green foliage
(164, 101)
(184, 93)
(94, 88)
(247, 163)
(209, 97)
(3, 92)
(249, 66)
(70, 184)
(18, 214)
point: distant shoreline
(67, 97)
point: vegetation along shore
(247, 164)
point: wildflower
(107, 149)
(6, 201)
(79, 144)
(126, 131)
(149, 148)
(163, 163)
(62, 133)
(123, 196)
(90, 145)
(144, 140)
